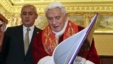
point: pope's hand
(46, 60)
(81, 60)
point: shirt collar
(31, 28)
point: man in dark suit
(13, 48)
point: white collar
(31, 28)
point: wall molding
(72, 7)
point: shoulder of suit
(14, 27)
(38, 29)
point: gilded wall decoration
(41, 22)
(82, 7)
(104, 24)
(79, 20)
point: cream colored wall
(104, 44)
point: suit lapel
(34, 33)
(20, 37)
(21, 41)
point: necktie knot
(28, 29)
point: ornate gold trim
(72, 7)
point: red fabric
(92, 55)
(39, 52)
(38, 49)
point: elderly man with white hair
(59, 28)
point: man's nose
(54, 21)
(27, 15)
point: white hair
(56, 5)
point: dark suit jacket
(13, 47)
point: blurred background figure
(3, 22)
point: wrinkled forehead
(54, 11)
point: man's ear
(66, 16)
(20, 15)
(36, 16)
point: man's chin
(27, 25)
(56, 30)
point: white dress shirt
(30, 32)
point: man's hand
(81, 60)
(46, 60)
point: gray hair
(27, 5)
(55, 5)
